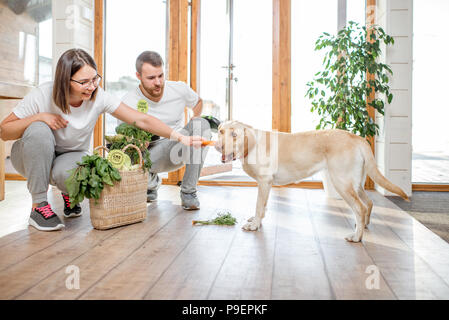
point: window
(26, 46)
(309, 20)
(26, 52)
(138, 26)
(252, 57)
(430, 139)
(214, 58)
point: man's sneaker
(151, 195)
(70, 213)
(189, 201)
(43, 218)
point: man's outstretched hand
(195, 141)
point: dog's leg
(358, 207)
(263, 215)
(368, 203)
(262, 199)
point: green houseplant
(340, 90)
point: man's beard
(152, 92)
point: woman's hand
(54, 121)
(191, 140)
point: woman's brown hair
(68, 64)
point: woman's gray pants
(34, 157)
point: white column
(73, 26)
(341, 20)
(393, 145)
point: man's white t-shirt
(170, 109)
(77, 135)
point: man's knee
(172, 165)
(200, 126)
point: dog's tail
(372, 170)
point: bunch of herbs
(223, 218)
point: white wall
(393, 145)
(73, 26)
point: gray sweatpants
(34, 157)
(167, 155)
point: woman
(54, 123)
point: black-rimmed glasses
(85, 83)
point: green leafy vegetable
(222, 219)
(88, 179)
(130, 134)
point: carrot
(207, 143)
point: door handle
(230, 67)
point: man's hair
(150, 57)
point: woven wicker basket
(125, 202)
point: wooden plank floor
(299, 253)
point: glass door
(252, 44)
(214, 58)
(236, 73)
(216, 70)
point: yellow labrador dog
(274, 158)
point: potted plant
(340, 91)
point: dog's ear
(248, 141)
(245, 143)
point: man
(166, 101)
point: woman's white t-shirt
(77, 135)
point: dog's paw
(353, 238)
(251, 226)
(251, 219)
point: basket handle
(101, 147)
(138, 151)
(124, 149)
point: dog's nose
(217, 146)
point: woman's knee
(39, 135)
(17, 157)
(58, 179)
(63, 166)
(37, 127)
